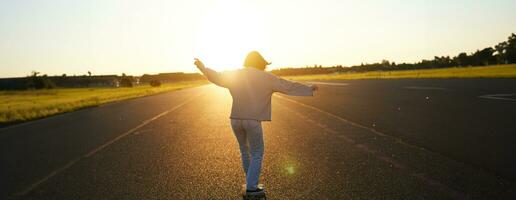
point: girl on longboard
(251, 89)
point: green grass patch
(495, 71)
(19, 106)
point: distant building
(63, 82)
(86, 81)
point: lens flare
(290, 169)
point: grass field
(496, 71)
(18, 106)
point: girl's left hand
(199, 64)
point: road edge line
(97, 149)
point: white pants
(250, 139)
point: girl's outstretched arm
(292, 88)
(210, 74)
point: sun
(228, 31)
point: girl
(251, 89)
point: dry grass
(496, 71)
(18, 106)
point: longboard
(254, 196)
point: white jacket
(252, 90)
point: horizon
(107, 37)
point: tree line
(37, 80)
(502, 53)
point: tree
(39, 82)
(510, 49)
(484, 56)
(500, 48)
(463, 59)
(155, 83)
(89, 73)
(34, 74)
(126, 81)
(385, 63)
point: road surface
(374, 139)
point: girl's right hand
(314, 87)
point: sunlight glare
(227, 32)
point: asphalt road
(374, 139)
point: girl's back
(251, 90)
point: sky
(70, 37)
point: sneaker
(257, 190)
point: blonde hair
(255, 60)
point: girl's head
(254, 59)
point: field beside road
(18, 106)
(497, 71)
